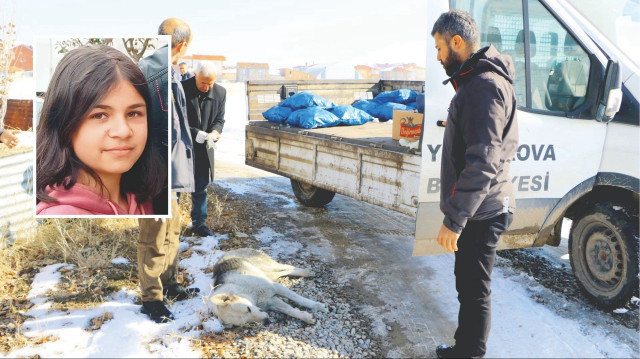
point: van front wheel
(310, 195)
(603, 249)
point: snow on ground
(119, 260)
(129, 333)
(540, 331)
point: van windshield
(619, 22)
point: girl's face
(113, 135)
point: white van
(578, 156)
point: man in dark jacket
(205, 109)
(477, 197)
(184, 71)
(158, 241)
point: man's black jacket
(210, 118)
(480, 140)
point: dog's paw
(301, 272)
(321, 307)
(308, 318)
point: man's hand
(448, 239)
(215, 135)
(9, 138)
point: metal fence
(16, 196)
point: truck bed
(361, 162)
(371, 134)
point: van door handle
(441, 123)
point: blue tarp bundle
(365, 105)
(306, 99)
(412, 105)
(350, 115)
(307, 110)
(277, 114)
(312, 117)
(403, 96)
(384, 111)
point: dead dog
(245, 289)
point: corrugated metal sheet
(16, 195)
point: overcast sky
(282, 33)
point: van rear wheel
(310, 195)
(603, 248)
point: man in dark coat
(159, 240)
(205, 110)
(477, 196)
(184, 71)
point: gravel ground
(342, 332)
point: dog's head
(231, 310)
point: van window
(558, 66)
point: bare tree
(68, 45)
(135, 47)
(7, 42)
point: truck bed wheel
(603, 249)
(310, 195)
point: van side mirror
(611, 96)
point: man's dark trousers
(474, 263)
(199, 196)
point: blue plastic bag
(350, 115)
(403, 96)
(312, 117)
(365, 105)
(384, 111)
(306, 99)
(277, 114)
(413, 105)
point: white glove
(201, 136)
(211, 140)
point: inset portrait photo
(101, 148)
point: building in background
(319, 72)
(406, 72)
(217, 60)
(291, 74)
(364, 72)
(22, 60)
(252, 71)
(19, 103)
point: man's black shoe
(447, 351)
(157, 311)
(202, 231)
(178, 292)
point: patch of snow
(620, 310)
(119, 260)
(183, 246)
(213, 325)
(283, 248)
(267, 235)
(45, 281)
